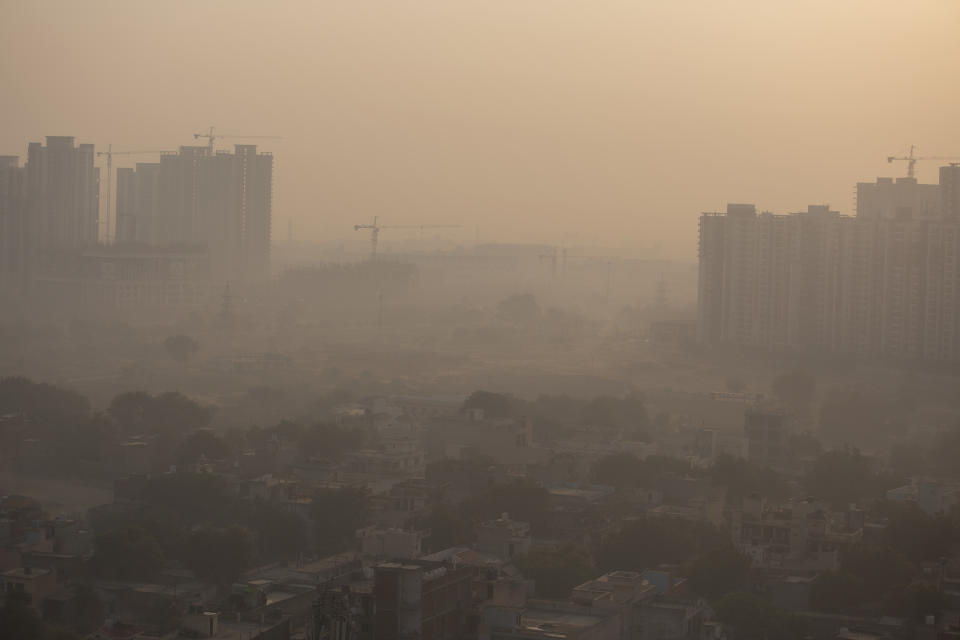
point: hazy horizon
(610, 123)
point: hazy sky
(536, 120)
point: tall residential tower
(885, 283)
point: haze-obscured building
(138, 203)
(13, 225)
(221, 201)
(883, 284)
(63, 191)
(889, 198)
(111, 279)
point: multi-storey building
(138, 203)
(950, 191)
(221, 202)
(63, 192)
(884, 283)
(904, 197)
(107, 280)
(13, 225)
(422, 599)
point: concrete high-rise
(222, 202)
(14, 238)
(901, 198)
(885, 284)
(950, 191)
(63, 193)
(138, 203)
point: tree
(836, 592)
(90, 608)
(626, 470)
(753, 618)
(496, 406)
(908, 458)
(180, 347)
(845, 476)
(736, 384)
(719, 572)
(523, 500)
(202, 442)
(916, 601)
(447, 529)
(176, 412)
(880, 569)
(139, 412)
(555, 572)
(520, 309)
(42, 403)
(127, 554)
(330, 440)
(277, 534)
(851, 416)
(337, 514)
(188, 497)
(945, 453)
(129, 410)
(218, 555)
(916, 535)
(742, 478)
(627, 414)
(621, 470)
(795, 389)
(18, 619)
(648, 543)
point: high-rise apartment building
(221, 202)
(13, 225)
(63, 194)
(138, 203)
(885, 284)
(950, 191)
(901, 198)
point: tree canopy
(127, 554)
(649, 543)
(42, 402)
(180, 347)
(555, 572)
(217, 555)
(753, 618)
(719, 572)
(138, 412)
(795, 389)
(494, 405)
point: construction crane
(109, 153)
(212, 137)
(375, 228)
(911, 160)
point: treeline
(555, 416)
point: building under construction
(221, 201)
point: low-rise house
(504, 538)
(931, 496)
(35, 582)
(793, 536)
(391, 542)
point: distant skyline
(613, 122)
